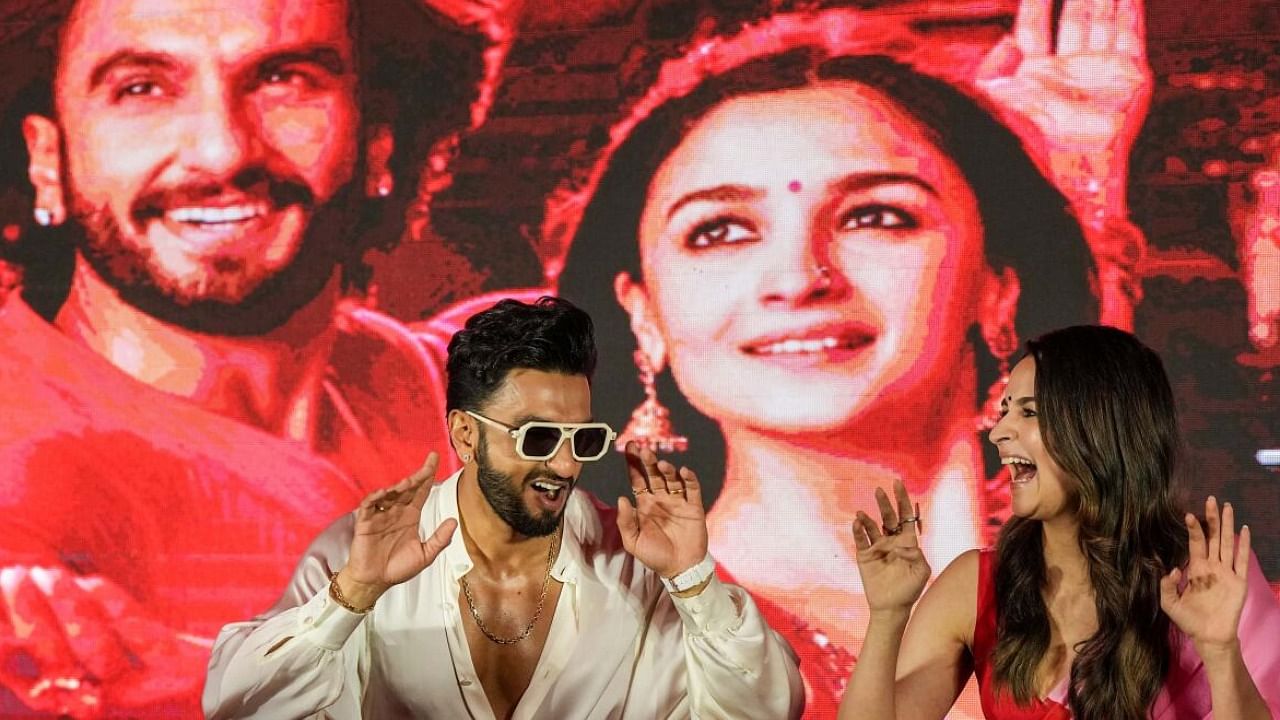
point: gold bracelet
(335, 592)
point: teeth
(787, 347)
(1016, 461)
(234, 213)
(546, 486)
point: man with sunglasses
(505, 591)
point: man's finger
(439, 540)
(692, 488)
(426, 473)
(627, 524)
(636, 473)
(669, 484)
(422, 492)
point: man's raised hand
(386, 548)
(666, 529)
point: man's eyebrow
(129, 58)
(539, 419)
(325, 56)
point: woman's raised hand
(893, 568)
(1078, 99)
(1208, 608)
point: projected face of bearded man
(208, 149)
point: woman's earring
(650, 424)
(1003, 343)
(466, 457)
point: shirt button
(465, 683)
(307, 620)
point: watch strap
(693, 577)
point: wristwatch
(693, 577)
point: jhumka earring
(1003, 343)
(650, 424)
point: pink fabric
(1185, 695)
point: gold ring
(674, 492)
(638, 491)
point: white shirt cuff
(325, 623)
(714, 610)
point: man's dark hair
(551, 335)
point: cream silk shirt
(619, 645)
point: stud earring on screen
(650, 424)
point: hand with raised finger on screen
(1079, 99)
(666, 528)
(893, 568)
(386, 548)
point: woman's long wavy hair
(1108, 419)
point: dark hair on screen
(1107, 416)
(551, 335)
(1027, 224)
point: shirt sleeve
(738, 667)
(304, 656)
(1258, 631)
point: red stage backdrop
(237, 235)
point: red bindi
(794, 186)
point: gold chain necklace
(546, 582)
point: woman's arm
(910, 666)
(1208, 609)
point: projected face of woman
(808, 256)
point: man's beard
(507, 501)
(228, 297)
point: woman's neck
(781, 524)
(1065, 565)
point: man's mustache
(250, 186)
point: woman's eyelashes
(727, 230)
(878, 215)
(720, 231)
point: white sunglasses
(537, 440)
